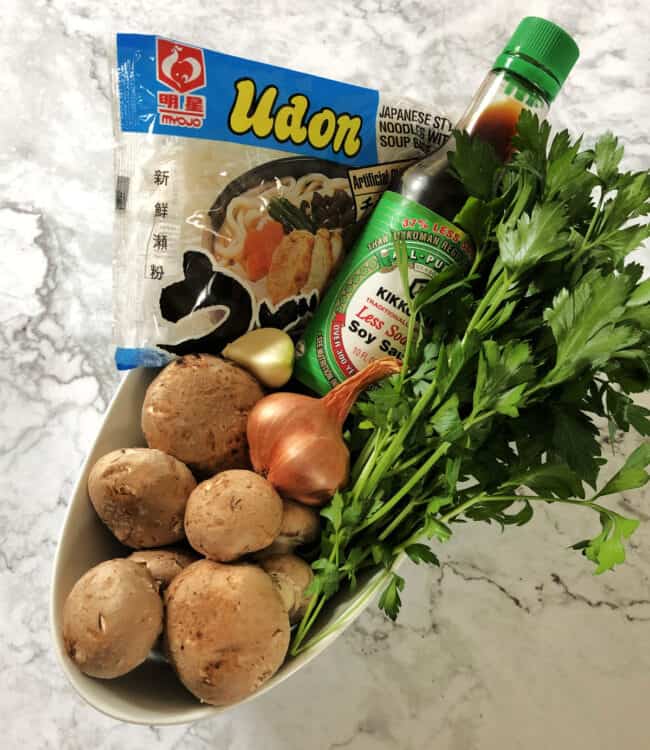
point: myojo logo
(181, 68)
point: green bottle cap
(541, 52)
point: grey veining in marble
(513, 643)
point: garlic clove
(267, 353)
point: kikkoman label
(365, 314)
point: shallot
(297, 441)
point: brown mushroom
(140, 494)
(112, 618)
(226, 631)
(163, 564)
(300, 525)
(232, 514)
(291, 576)
(196, 409)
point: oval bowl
(152, 694)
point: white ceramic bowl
(151, 694)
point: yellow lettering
(322, 126)
(289, 118)
(252, 113)
(347, 135)
(247, 114)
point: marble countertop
(512, 643)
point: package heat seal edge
(217, 158)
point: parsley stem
(369, 447)
(450, 515)
(600, 239)
(592, 223)
(498, 299)
(377, 446)
(478, 313)
(478, 257)
(410, 335)
(313, 610)
(406, 488)
(523, 498)
(397, 520)
(411, 461)
(356, 606)
(397, 441)
(420, 473)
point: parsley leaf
(495, 510)
(546, 479)
(641, 295)
(433, 528)
(437, 287)
(532, 135)
(623, 412)
(575, 441)
(501, 377)
(630, 201)
(540, 236)
(607, 157)
(569, 180)
(390, 600)
(334, 511)
(327, 578)
(446, 421)
(475, 163)
(639, 418)
(567, 168)
(421, 553)
(475, 217)
(583, 324)
(606, 549)
(632, 474)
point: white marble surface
(513, 644)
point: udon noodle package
(239, 188)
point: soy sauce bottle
(528, 74)
(364, 314)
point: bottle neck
(492, 116)
(493, 113)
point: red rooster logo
(180, 66)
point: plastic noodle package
(240, 187)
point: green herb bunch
(505, 369)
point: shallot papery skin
(296, 441)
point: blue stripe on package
(171, 88)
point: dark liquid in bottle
(497, 124)
(430, 183)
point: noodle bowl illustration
(282, 227)
(246, 209)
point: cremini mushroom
(196, 409)
(232, 514)
(140, 494)
(291, 576)
(163, 564)
(112, 618)
(300, 526)
(226, 630)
